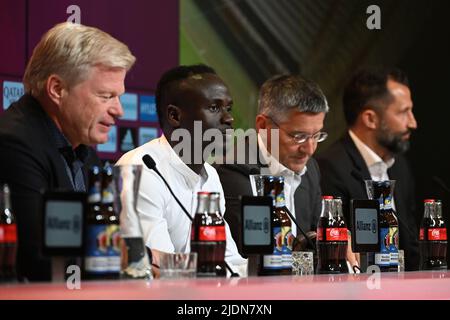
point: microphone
(308, 240)
(151, 164)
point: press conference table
(403, 286)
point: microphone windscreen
(149, 162)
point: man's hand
(156, 258)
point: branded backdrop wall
(149, 27)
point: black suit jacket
(30, 163)
(343, 173)
(236, 182)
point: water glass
(178, 265)
(302, 263)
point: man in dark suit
(73, 82)
(296, 107)
(378, 110)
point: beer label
(388, 202)
(336, 234)
(393, 246)
(437, 234)
(394, 259)
(288, 239)
(422, 234)
(8, 233)
(96, 258)
(278, 240)
(286, 261)
(280, 202)
(273, 262)
(212, 233)
(107, 196)
(114, 243)
(392, 239)
(97, 265)
(383, 258)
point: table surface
(385, 286)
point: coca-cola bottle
(8, 237)
(286, 226)
(272, 264)
(442, 236)
(332, 238)
(208, 236)
(342, 244)
(433, 237)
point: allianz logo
(363, 226)
(73, 224)
(257, 225)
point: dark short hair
(368, 89)
(283, 93)
(169, 79)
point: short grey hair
(70, 50)
(282, 93)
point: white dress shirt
(165, 225)
(292, 180)
(377, 167)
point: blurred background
(248, 41)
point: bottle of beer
(286, 226)
(433, 237)
(332, 238)
(273, 264)
(391, 238)
(95, 257)
(387, 258)
(112, 220)
(208, 237)
(8, 237)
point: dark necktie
(75, 167)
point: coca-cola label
(212, 233)
(437, 234)
(8, 233)
(336, 234)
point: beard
(394, 142)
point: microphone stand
(150, 163)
